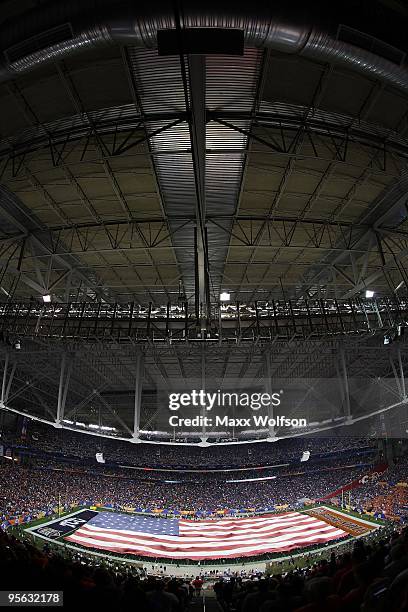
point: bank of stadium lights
(253, 479)
(46, 298)
(225, 296)
(369, 293)
(89, 426)
(101, 427)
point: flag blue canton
(143, 524)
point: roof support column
(402, 375)
(269, 390)
(202, 298)
(7, 380)
(345, 384)
(138, 395)
(65, 375)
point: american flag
(184, 539)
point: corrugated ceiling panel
(230, 84)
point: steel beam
(197, 126)
(7, 379)
(338, 129)
(345, 381)
(269, 390)
(402, 375)
(65, 375)
(114, 413)
(138, 395)
(24, 221)
(381, 217)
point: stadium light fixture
(46, 298)
(369, 293)
(253, 479)
(225, 296)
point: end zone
(343, 520)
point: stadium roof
(163, 156)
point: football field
(228, 538)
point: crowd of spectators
(88, 585)
(370, 578)
(32, 489)
(46, 438)
(195, 475)
(37, 484)
(373, 577)
(388, 494)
